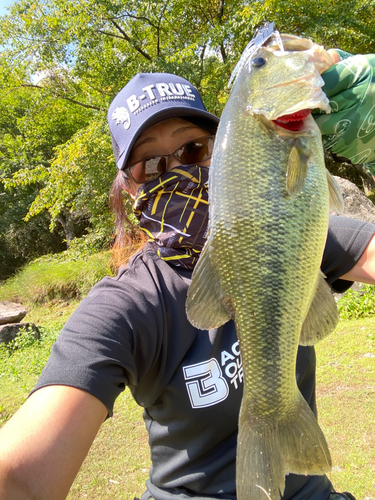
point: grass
(346, 404)
(45, 280)
(118, 463)
(358, 304)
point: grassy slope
(117, 465)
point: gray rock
(10, 312)
(357, 205)
(9, 332)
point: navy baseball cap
(147, 99)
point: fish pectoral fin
(336, 202)
(267, 451)
(206, 308)
(323, 315)
(298, 164)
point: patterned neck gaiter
(173, 212)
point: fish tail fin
(260, 469)
(267, 452)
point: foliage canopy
(63, 61)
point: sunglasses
(150, 168)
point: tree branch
(223, 52)
(159, 24)
(220, 10)
(220, 13)
(62, 96)
(128, 39)
(141, 18)
(202, 61)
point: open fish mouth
(294, 121)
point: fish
(269, 200)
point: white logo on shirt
(205, 382)
(232, 364)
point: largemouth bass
(269, 195)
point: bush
(361, 304)
(24, 339)
(54, 278)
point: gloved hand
(349, 131)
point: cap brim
(164, 114)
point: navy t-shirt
(132, 331)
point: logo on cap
(121, 115)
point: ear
(130, 190)
(129, 186)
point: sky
(3, 4)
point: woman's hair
(129, 238)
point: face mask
(173, 212)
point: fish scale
(269, 204)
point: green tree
(63, 61)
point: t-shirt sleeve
(346, 241)
(109, 342)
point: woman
(132, 330)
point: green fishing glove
(349, 131)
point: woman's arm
(364, 270)
(44, 444)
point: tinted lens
(137, 172)
(148, 170)
(196, 151)
(192, 152)
(154, 167)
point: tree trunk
(67, 223)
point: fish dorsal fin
(298, 163)
(205, 305)
(336, 202)
(322, 317)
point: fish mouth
(294, 121)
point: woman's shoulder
(146, 275)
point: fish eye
(258, 62)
